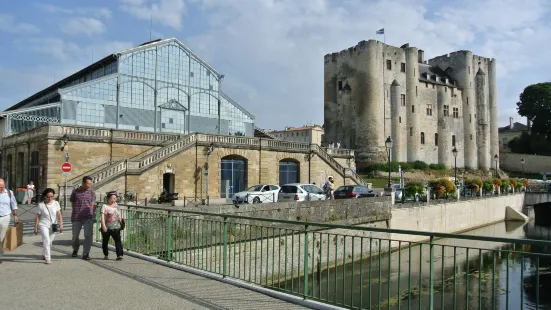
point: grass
(379, 182)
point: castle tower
(413, 109)
(482, 121)
(465, 76)
(494, 138)
(398, 135)
(330, 98)
(444, 127)
(369, 105)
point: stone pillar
(444, 127)
(370, 139)
(482, 120)
(399, 149)
(492, 89)
(412, 108)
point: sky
(271, 51)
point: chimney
(528, 123)
(511, 123)
(420, 56)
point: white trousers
(4, 224)
(47, 239)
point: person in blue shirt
(8, 206)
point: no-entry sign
(66, 167)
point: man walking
(8, 205)
(83, 199)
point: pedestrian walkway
(72, 283)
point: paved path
(71, 283)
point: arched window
(289, 171)
(436, 139)
(422, 138)
(233, 173)
(453, 140)
(34, 169)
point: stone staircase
(138, 164)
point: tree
(535, 104)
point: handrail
(348, 227)
(168, 150)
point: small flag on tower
(381, 31)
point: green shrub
(442, 187)
(505, 185)
(488, 186)
(413, 187)
(420, 165)
(437, 167)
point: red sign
(66, 167)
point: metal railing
(350, 266)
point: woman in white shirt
(48, 222)
(111, 225)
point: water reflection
(474, 273)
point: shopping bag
(14, 237)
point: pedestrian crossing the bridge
(27, 216)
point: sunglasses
(50, 196)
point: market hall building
(150, 118)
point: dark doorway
(169, 182)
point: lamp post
(388, 145)
(496, 158)
(208, 151)
(454, 152)
(522, 161)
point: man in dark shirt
(83, 199)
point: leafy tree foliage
(535, 104)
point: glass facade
(234, 171)
(160, 86)
(288, 172)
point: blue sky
(271, 51)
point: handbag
(55, 227)
(123, 224)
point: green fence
(349, 266)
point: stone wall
(532, 164)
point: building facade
(511, 131)
(305, 134)
(159, 86)
(428, 107)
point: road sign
(66, 167)
(66, 174)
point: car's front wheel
(256, 200)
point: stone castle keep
(428, 107)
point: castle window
(403, 67)
(445, 89)
(413, 72)
(426, 85)
(432, 86)
(411, 131)
(467, 100)
(475, 117)
(412, 109)
(422, 138)
(403, 99)
(453, 140)
(436, 139)
(455, 112)
(389, 64)
(446, 110)
(340, 85)
(469, 69)
(416, 91)
(471, 136)
(429, 109)
(400, 119)
(470, 118)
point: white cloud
(99, 12)
(272, 51)
(83, 26)
(165, 12)
(10, 25)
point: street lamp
(522, 161)
(65, 140)
(388, 145)
(454, 152)
(496, 158)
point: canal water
(467, 274)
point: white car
(300, 192)
(262, 193)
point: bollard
(145, 201)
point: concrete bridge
(542, 206)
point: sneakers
(48, 261)
(75, 253)
(86, 257)
(43, 257)
(106, 257)
(119, 258)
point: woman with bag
(111, 225)
(48, 222)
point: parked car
(353, 191)
(262, 193)
(300, 192)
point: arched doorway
(233, 174)
(169, 182)
(289, 171)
